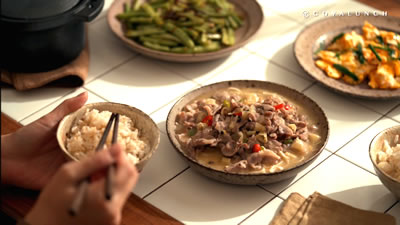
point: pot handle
(91, 10)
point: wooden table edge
(16, 202)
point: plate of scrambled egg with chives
(359, 56)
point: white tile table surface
(343, 171)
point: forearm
(5, 149)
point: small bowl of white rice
(80, 132)
(384, 152)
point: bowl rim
(309, 37)
(305, 162)
(93, 106)
(374, 140)
(183, 57)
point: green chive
(359, 53)
(389, 50)
(380, 39)
(345, 71)
(374, 51)
(321, 47)
(337, 55)
(337, 37)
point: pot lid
(35, 9)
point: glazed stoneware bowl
(141, 121)
(254, 178)
(250, 10)
(323, 31)
(377, 145)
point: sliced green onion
(288, 141)
(374, 51)
(345, 71)
(227, 104)
(192, 132)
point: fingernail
(115, 150)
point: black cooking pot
(41, 35)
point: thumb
(66, 107)
(98, 161)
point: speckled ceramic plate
(249, 179)
(141, 121)
(324, 30)
(249, 9)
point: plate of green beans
(185, 30)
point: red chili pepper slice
(256, 147)
(279, 106)
(288, 107)
(208, 120)
(238, 114)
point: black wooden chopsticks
(83, 185)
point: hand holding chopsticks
(76, 204)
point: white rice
(86, 134)
(388, 159)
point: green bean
(178, 32)
(184, 26)
(136, 6)
(203, 38)
(166, 36)
(225, 38)
(232, 22)
(126, 7)
(231, 36)
(157, 19)
(214, 46)
(158, 41)
(140, 20)
(137, 33)
(130, 14)
(156, 46)
(237, 19)
(192, 33)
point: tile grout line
(45, 106)
(341, 147)
(282, 67)
(392, 206)
(112, 68)
(163, 184)
(258, 209)
(93, 93)
(308, 87)
(284, 189)
(213, 74)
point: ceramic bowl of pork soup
(247, 132)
